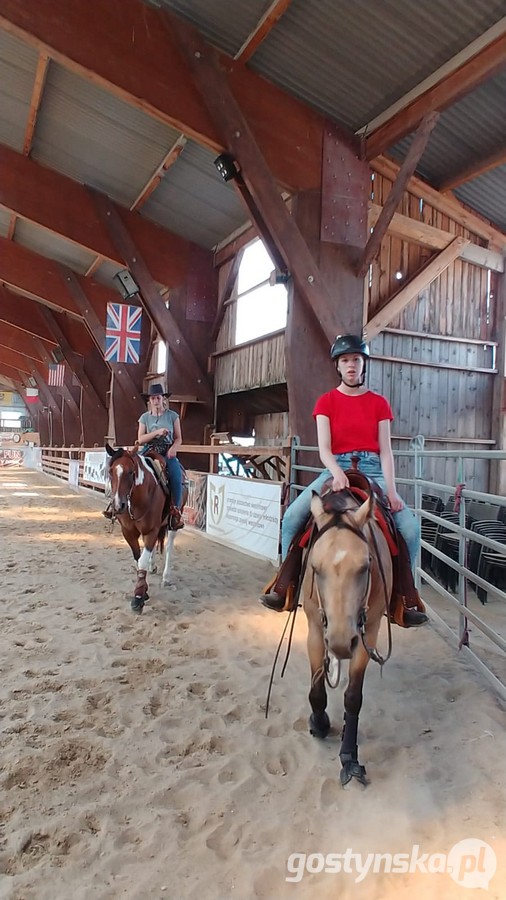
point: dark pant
(175, 476)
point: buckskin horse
(142, 507)
(346, 587)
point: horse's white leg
(153, 568)
(145, 559)
(168, 557)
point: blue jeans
(175, 476)
(298, 511)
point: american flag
(56, 375)
(123, 333)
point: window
(260, 307)
(161, 357)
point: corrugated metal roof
(487, 195)
(353, 60)
(193, 200)
(51, 245)
(224, 24)
(18, 63)
(106, 272)
(96, 138)
(5, 218)
(472, 129)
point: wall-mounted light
(227, 166)
(126, 284)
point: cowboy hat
(154, 390)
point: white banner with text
(245, 514)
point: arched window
(261, 308)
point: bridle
(132, 475)
(372, 652)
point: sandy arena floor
(136, 760)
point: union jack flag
(123, 333)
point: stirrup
(277, 602)
(176, 520)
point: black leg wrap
(349, 736)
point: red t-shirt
(354, 421)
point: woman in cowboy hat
(160, 429)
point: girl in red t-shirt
(351, 421)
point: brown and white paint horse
(142, 508)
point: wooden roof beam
(39, 278)
(14, 339)
(150, 73)
(445, 203)
(400, 184)
(47, 198)
(487, 164)
(15, 360)
(73, 359)
(485, 64)
(169, 159)
(423, 277)
(232, 123)
(262, 29)
(67, 394)
(38, 88)
(152, 301)
(23, 313)
(416, 232)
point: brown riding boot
(411, 616)
(279, 593)
(176, 518)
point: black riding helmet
(349, 343)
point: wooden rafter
(416, 232)
(488, 62)
(233, 127)
(423, 277)
(445, 203)
(97, 332)
(169, 159)
(225, 294)
(161, 317)
(14, 339)
(93, 267)
(493, 161)
(67, 395)
(138, 71)
(38, 88)
(406, 170)
(23, 313)
(12, 227)
(50, 199)
(262, 29)
(73, 359)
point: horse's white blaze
(340, 555)
(119, 473)
(145, 559)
